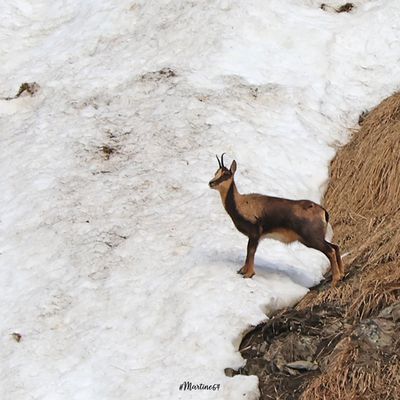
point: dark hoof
(242, 270)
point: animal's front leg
(248, 268)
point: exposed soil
(29, 88)
(107, 151)
(343, 342)
(347, 7)
(164, 73)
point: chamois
(258, 216)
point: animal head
(224, 176)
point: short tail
(326, 216)
(329, 232)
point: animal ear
(233, 167)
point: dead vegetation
(30, 88)
(16, 336)
(364, 202)
(358, 369)
(347, 7)
(107, 151)
(349, 332)
(164, 73)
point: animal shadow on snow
(265, 268)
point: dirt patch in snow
(26, 88)
(343, 342)
(347, 7)
(164, 73)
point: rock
(292, 371)
(257, 366)
(230, 372)
(263, 347)
(303, 365)
(289, 348)
(378, 331)
(391, 312)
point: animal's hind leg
(338, 259)
(329, 250)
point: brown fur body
(258, 216)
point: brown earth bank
(344, 342)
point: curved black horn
(219, 162)
(222, 159)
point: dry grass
(353, 376)
(363, 294)
(364, 192)
(363, 199)
(377, 289)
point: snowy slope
(119, 271)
